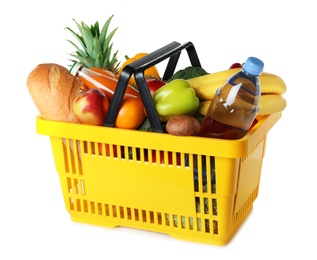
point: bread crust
(53, 90)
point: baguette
(53, 90)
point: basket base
(198, 237)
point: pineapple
(96, 47)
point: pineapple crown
(95, 48)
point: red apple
(154, 84)
(91, 106)
(235, 65)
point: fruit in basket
(91, 107)
(175, 98)
(150, 72)
(206, 86)
(131, 113)
(154, 84)
(235, 65)
(95, 45)
(270, 103)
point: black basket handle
(172, 51)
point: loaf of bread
(53, 90)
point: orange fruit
(131, 113)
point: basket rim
(159, 141)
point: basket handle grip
(172, 51)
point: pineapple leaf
(82, 34)
(79, 58)
(81, 52)
(86, 61)
(78, 37)
(108, 39)
(88, 39)
(96, 48)
(104, 31)
(107, 53)
(90, 62)
(114, 64)
(79, 27)
(99, 60)
(95, 30)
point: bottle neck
(249, 74)
(75, 68)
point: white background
(34, 223)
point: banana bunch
(272, 90)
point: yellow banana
(206, 86)
(269, 104)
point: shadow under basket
(191, 188)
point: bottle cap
(74, 69)
(253, 66)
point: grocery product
(95, 46)
(175, 98)
(207, 85)
(53, 91)
(235, 105)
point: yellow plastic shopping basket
(192, 188)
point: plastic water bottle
(235, 105)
